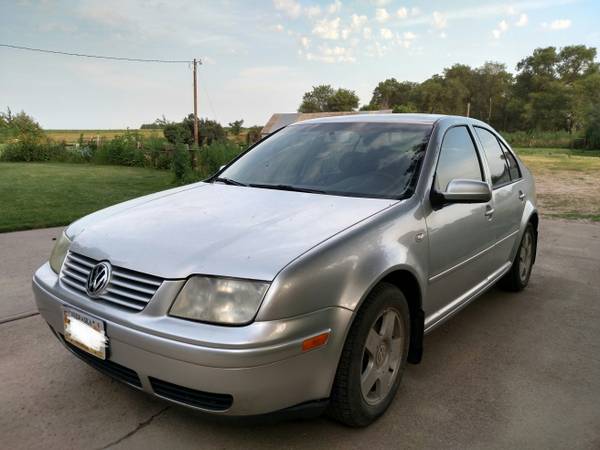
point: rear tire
(518, 276)
(373, 358)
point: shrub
(544, 139)
(30, 148)
(182, 167)
(592, 129)
(212, 157)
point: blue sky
(259, 56)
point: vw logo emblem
(98, 279)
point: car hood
(216, 229)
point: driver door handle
(521, 195)
(489, 211)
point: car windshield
(362, 159)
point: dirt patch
(567, 186)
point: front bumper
(261, 365)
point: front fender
(341, 271)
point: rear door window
(513, 167)
(495, 157)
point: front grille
(107, 367)
(126, 288)
(198, 399)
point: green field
(72, 136)
(39, 195)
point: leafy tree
(236, 126)
(324, 98)
(183, 132)
(317, 99)
(342, 100)
(391, 93)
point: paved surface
(510, 371)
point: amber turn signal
(315, 341)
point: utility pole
(196, 137)
(468, 109)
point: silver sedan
(305, 273)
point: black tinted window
(495, 157)
(513, 167)
(354, 158)
(458, 158)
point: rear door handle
(521, 195)
(489, 212)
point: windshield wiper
(286, 187)
(229, 181)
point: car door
(459, 233)
(508, 195)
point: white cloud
(439, 20)
(358, 21)
(414, 11)
(402, 13)
(334, 7)
(500, 29)
(381, 2)
(289, 7)
(367, 33)
(443, 35)
(559, 24)
(409, 35)
(327, 29)
(305, 42)
(312, 11)
(522, 20)
(381, 15)
(386, 33)
(332, 55)
(279, 28)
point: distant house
(280, 120)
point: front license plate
(85, 332)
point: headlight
(59, 252)
(219, 300)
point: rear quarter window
(496, 158)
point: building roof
(280, 120)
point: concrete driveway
(511, 370)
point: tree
(236, 126)
(183, 132)
(317, 99)
(342, 100)
(391, 93)
(324, 98)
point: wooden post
(468, 109)
(195, 106)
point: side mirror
(466, 191)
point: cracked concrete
(140, 426)
(511, 370)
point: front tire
(373, 358)
(518, 277)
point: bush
(123, 150)
(592, 129)
(29, 149)
(212, 157)
(544, 139)
(182, 167)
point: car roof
(424, 119)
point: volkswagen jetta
(305, 272)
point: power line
(83, 55)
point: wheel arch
(405, 280)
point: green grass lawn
(38, 195)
